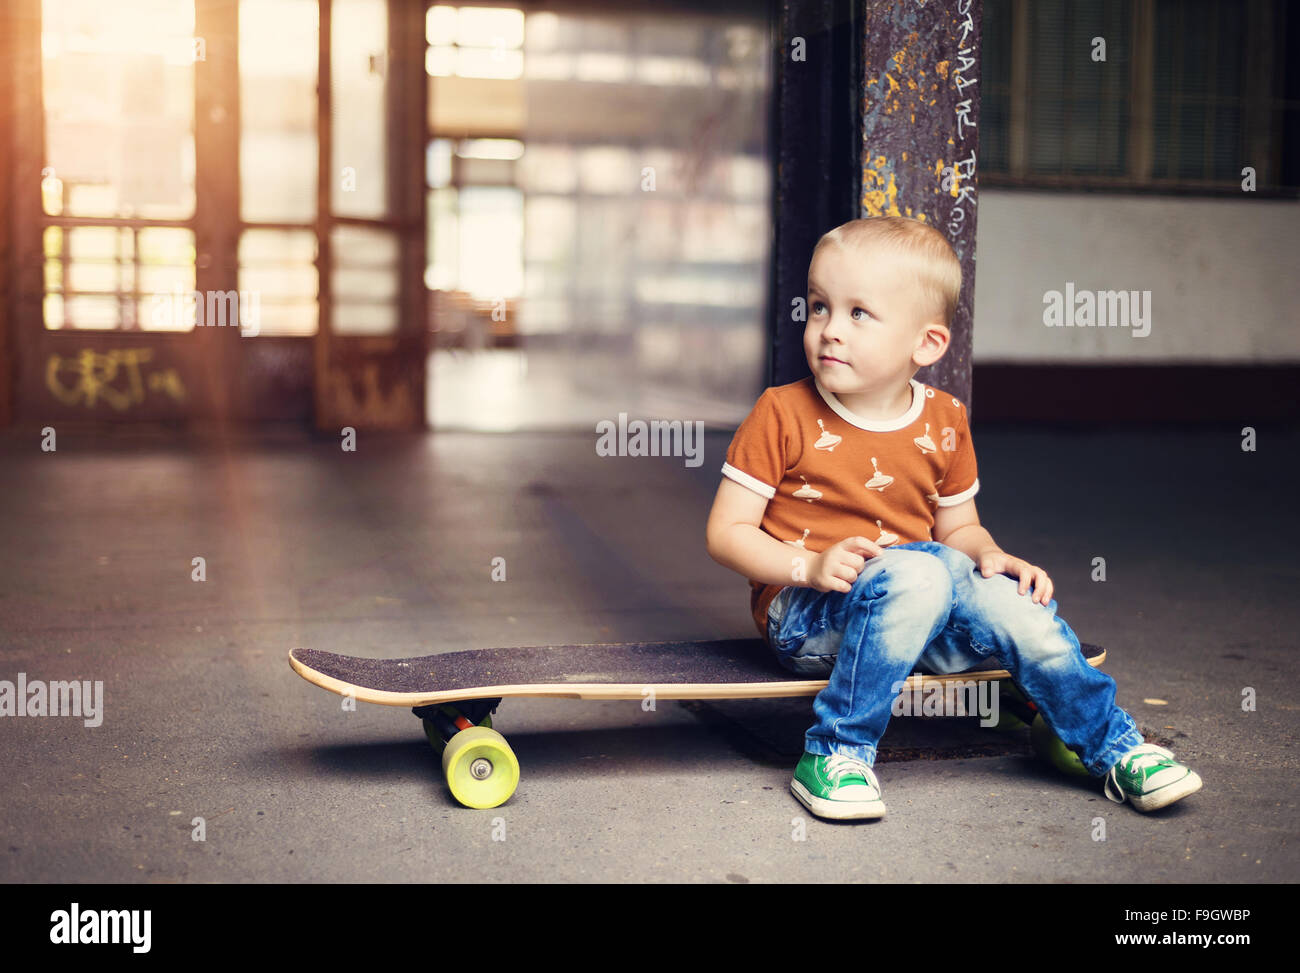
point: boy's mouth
(830, 359)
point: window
(278, 48)
(365, 280)
(359, 108)
(476, 227)
(278, 281)
(604, 240)
(474, 42)
(1189, 93)
(118, 183)
(279, 43)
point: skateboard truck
(474, 710)
(481, 769)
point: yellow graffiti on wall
(116, 377)
(879, 188)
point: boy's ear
(931, 343)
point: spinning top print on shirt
(828, 441)
(806, 492)
(879, 481)
(799, 542)
(885, 536)
(925, 443)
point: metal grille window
(1199, 91)
(1190, 92)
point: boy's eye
(816, 305)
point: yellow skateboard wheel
(1050, 747)
(480, 767)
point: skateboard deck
(725, 669)
(454, 693)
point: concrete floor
(387, 551)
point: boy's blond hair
(936, 267)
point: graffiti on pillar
(920, 133)
(921, 116)
(964, 74)
(120, 378)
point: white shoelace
(839, 764)
(1151, 754)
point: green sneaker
(1149, 778)
(838, 786)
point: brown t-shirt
(829, 474)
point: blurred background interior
(506, 217)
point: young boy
(848, 501)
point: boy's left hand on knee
(1000, 562)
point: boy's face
(866, 329)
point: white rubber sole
(1168, 794)
(837, 810)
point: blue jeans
(926, 606)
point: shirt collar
(876, 425)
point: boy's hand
(1000, 562)
(837, 567)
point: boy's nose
(831, 333)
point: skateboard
(455, 693)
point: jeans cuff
(824, 748)
(1131, 739)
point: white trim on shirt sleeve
(745, 480)
(962, 497)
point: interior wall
(1221, 275)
